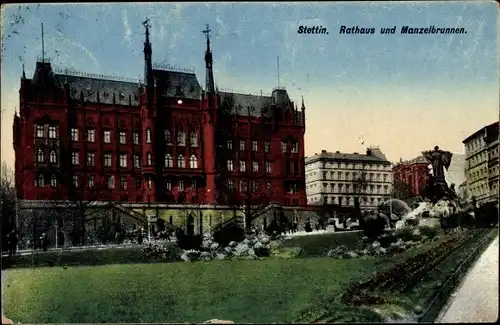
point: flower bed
(407, 274)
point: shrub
(405, 233)
(273, 229)
(308, 227)
(286, 252)
(229, 234)
(187, 242)
(429, 232)
(374, 227)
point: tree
(253, 192)
(8, 203)
(401, 190)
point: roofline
(475, 134)
(315, 158)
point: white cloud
(126, 27)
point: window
(193, 185)
(107, 160)
(230, 184)
(111, 182)
(230, 144)
(255, 146)
(53, 181)
(91, 159)
(39, 131)
(137, 160)
(295, 147)
(181, 186)
(242, 145)
(268, 167)
(268, 187)
(74, 135)
(193, 162)
(243, 186)
(193, 139)
(168, 185)
(148, 135)
(123, 160)
(76, 180)
(255, 186)
(149, 159)
(52, 132)
(107, 136)
(123, 137)
(75, 158)
(267, 146)
(90, 135)
(283, 146)
(181, 163)
(181, 139)
(168, 138)
(255, 166)
(40, 157)
(138, 182)
(230, 165)
(136, 137)
(242, 166)
(169, 162)
(53, 157)
(123, 182)
(41, 180)
(91, 181)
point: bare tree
(253, 191)
(8, 202)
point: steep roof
(245, 104)
(106, 88)
(179, 84)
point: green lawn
(244, 291)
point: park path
(476, 300)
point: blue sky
(405, 93)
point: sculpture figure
(437, 187)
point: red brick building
(80, 136)
(414, 173)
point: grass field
(243, 291)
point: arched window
(181, 138)
(53, 156)
(181, 163)
(149, 159)
(193, 162)
(39, 155)
(168, 139)
(148, 135)
(41, 180)
(53, 181)
(169, 161)
(193, 139)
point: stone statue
(437, 187)
(440, 160)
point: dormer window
(89, 93)
(122, 96)
(106, 94)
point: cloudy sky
(404, 93)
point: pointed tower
(209, 122)
(148, 52)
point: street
(476, 300)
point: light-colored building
(337, 178)
(493, 144)
(456, 172)
(476, 163)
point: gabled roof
(245, 105)
(178, 84)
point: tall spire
(303, 106)
(43, 47)
(210, 86)
(24, 74)
(148, 64)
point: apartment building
(492, 142)
(337, 178)
(477, 162)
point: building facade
(477, 163)
(167, 139)
(337, 178)
(493, 144)
(413, 173)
